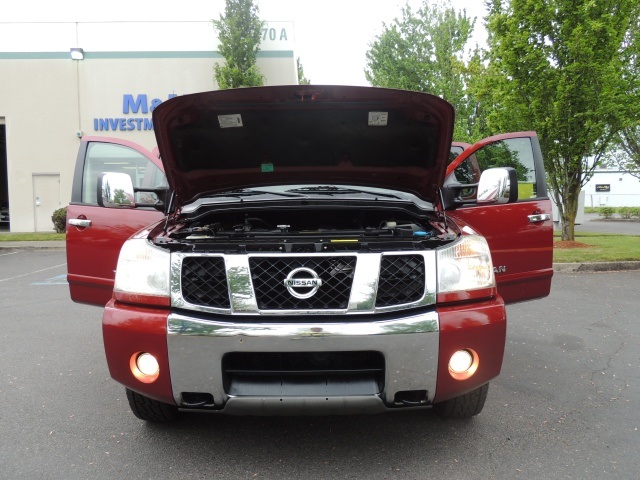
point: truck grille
(204, 282)
(302, 283)
(268, 275)
(402, 280)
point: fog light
(463, 364)
(144, 367)
(147, 364)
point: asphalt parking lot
(565, 406)
(592, 222)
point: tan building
(49, 99)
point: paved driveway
(594, 223)
(567, 404)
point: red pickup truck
(307, 250)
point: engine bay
(310, 229)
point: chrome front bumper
(409, 345)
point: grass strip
(31, 237)
(599, 247)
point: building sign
(276, 36)
(139, 105)
(603, 187)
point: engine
(311, 229)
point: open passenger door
(520, 234)
(95, 234)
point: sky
(331, 36)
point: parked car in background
(313, 250)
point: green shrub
(635, 212)
(607, 212)
(625, 212)
(59, 219)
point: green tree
(120, 198)
(557, 67)
(239, 31)
(627, 145)
(302, 80)
(425, 51)
(627, 157)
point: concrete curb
(557, 267)
(34, 245)
(595, 267)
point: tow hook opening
(410, 398)
(196, 400)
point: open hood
(302, 134)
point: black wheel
(151, 410)
(464, 406)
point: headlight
(142, 275)
(464, 266)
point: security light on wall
(77, 54)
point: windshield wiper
(250, 193)
(331, 190)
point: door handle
(540, 217)
(79, 222)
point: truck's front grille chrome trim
(342, 283)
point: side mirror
(498, 185)
(115, 190)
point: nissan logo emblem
(302, 282)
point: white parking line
(10, 253)
(57, 280)
(31, 273)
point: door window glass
(106, 157)
(516, 153)
(466, 173)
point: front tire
(464, 406)
(151, 410)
